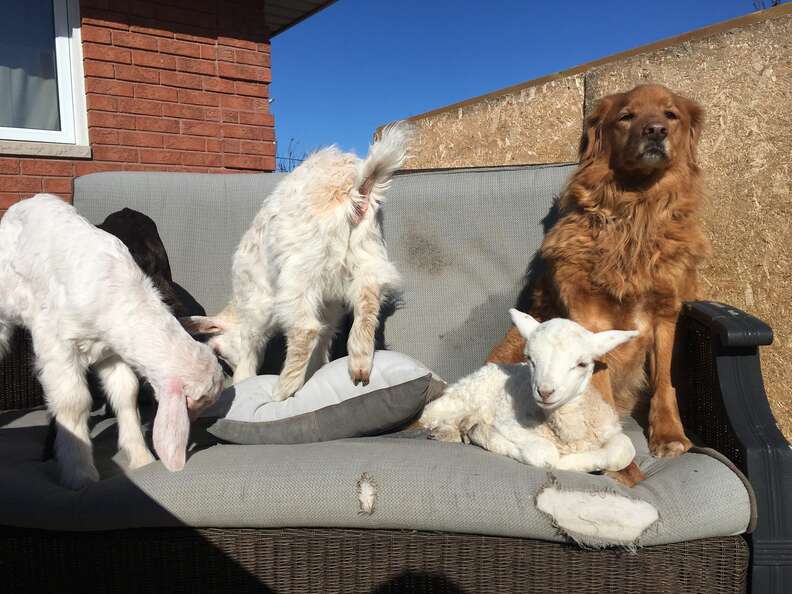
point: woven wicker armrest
(19, 387)
(723, 404)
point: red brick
(110, 120)
(48, 167)
(108, 87)
(187, 112)
(234, 42)
(253, 89)
(154, 60)
(243, 72)
(219, 85)
(103, 136)
(95, 34)
(187, 169)
(9, 165)
(195, 35)
(245, 162)
(260, 118)
(198, 98)
(103, 69)
(86, 168)
(214, 145)
(205, 159)
(208, 52)
(101, 102)
(232, 117)
(115, 153)
(163, 157)
(14, 183)
(134, 40)
(243, 132)
(58, 185)
(231, 146)
(146, 139)
(185, 143)
(180, 79)
(137, 74)
(156, 92)
(197, 66)
(180, 48)
(103, 19)
(252, 58)
(152, 27)
(226, 54)
(7, 200)
(244, 103)
(212, 114)
(140, 106)
(157, 124)
(200, 128)
(106, 53)
(249, 147)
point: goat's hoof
(78, 478)
(140, 459)
(669, 448)
(360, 370)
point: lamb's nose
(545, 393)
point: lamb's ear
(172, 427)
(525, 323)
(604, 342)
(200, 325)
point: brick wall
(180, 85)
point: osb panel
(744, 80)
(538, 124)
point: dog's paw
(360, 369)
(669, 447)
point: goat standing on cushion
(314, 248)
(545, 412)
(86, 302)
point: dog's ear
(696, 121)
(591, 139)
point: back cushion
(462, 240)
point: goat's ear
(591, 141)
(525, 323)
(198, 325)
(604, 342)
(172, 427)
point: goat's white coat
(85, 301)
(314, 247)
(501, 407)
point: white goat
(86, 302)
(314, 248)
(544, 413)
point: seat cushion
(411, 482)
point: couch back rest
(462, 239)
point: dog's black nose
(655, 130)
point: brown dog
(624, 252)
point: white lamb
(544, 413)
(314, 248)
(85, 301)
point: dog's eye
(626, 117)
(670, 115)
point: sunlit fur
(625, 250)
(544, 412)
(314, 249)
(86, 302)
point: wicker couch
(463, 240)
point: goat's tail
(385, 156)
(6, 332)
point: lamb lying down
(86, 302)
(544, 413)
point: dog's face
(642, 132)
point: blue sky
(362, 63)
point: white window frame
(71, 87)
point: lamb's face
(207, 384)
(559, 354)
(562, 354)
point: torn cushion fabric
(329, 406)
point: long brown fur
(625, 250)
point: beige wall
(741, 72)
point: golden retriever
(624, 252)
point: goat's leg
(366, 306)
(62, 375)
(121, 386)
(615, 454)
(331, 316)
(6, 332)
(517, 443)
(301, 339)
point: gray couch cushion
(421, 485)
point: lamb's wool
(314, 248)
(86, 302)
(502, 409)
